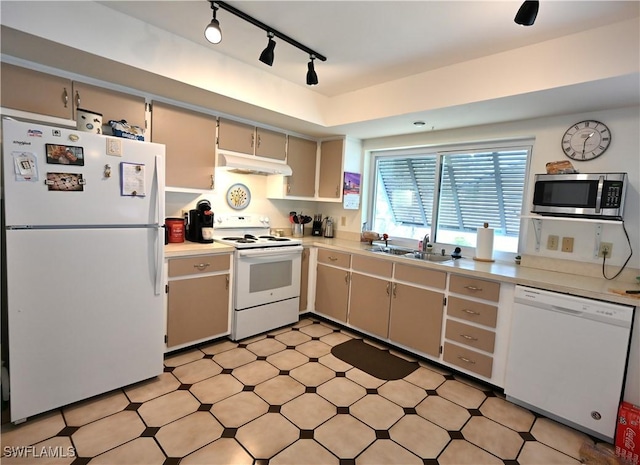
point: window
(451, 194)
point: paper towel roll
(484, 244)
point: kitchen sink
(409, 253)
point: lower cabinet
(197, 299)
(369, 304)
(416, 318)
(332, 292)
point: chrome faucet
(425, 241)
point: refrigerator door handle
(159, 185)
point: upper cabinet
(35, 92)
(189, 138)
(301, 157)
(46, 94)
(331, 169)
(247, 139)
(111, 104)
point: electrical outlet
(567, 244)
(605, 249)
(343, 221)
(552, 243)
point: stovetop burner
(274, 238)
(248, 231)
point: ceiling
(373, 42)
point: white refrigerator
(83, 219)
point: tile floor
(282, 398)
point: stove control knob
(218, 219)
(265, 220)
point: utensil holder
(297, 230)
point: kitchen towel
(484, 244)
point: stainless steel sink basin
(429, 257)
(409, 253)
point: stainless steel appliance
(328, 227)
(84, 254)
(266, 278)
(587, 195)
(567, 358)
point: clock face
(586, 140)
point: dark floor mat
(376, 362)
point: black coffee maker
(201, 217)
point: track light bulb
(212, 32)
(312, 77)
(527, 13)
(267, 54)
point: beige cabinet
(189, 138)
(245, 138)
(304, 279)
(370, 300)
(111, 104)
(35, 92)
(471, 322)
(417, 313)
(197, 298)
(332, 284)
(301, 157)
(331, 174)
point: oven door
(267, 275)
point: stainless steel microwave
(585, 195)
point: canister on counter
(175, 228)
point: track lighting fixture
(267, 54)
(527, 13)
(214, 35)
(212, 32)
(312, 77)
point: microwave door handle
(599, 193)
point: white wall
(622, 155)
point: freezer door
(85, 191)
(83, 315)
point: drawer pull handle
(201, 266)
(470, 312)
(333, 259)
(469, 338)
(466, 360)
(473, 288)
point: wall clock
(586, 140)
(238, 196)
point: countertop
(584, 286)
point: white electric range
(266, 277)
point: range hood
(248, 164)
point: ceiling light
(212, 32)
(527, 13)
(214, 35)
(267, 54)
(312, 77)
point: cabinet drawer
(422, 276)
(331, 257)
(198, 265)
(479, 288)
(468, 359)
(470, 335)
(375, 266)
(469, 310)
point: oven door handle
(271, 251)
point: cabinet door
(332, 292)
(111, 104)
(197, 308)
(271, 144)
(190, 141)
(301, 157)
(35, 92)
(416, 318)
(330, 184)
(237, 137)
(369, 304)
(304, 279)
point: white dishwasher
(567, 358)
